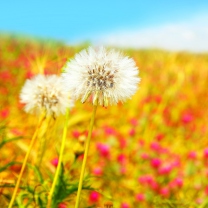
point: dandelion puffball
(45, 93)
(108, 76)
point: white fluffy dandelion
(45, 93)
(108, 76)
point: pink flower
(179, 182)
(134, 122)
(155, 146)
(154, 185)
(146, 179)
(125, 205)
(141, 142)
(75, 134)
(155, 162)
(206, 190)
(4, 113)
(54, 162)
(165, 192)
(94, 197)
(132, 132)
(206, 153)
(123, 169)
(192, 155)
(62, 205)
(176, 162)
(159, 137)
(122, 143)
(145, 156)
(165, 170)
(109, 131)
(140, 197)
(187, 118)
(104, 150)
(97, 171)
(29, 74)
(121, 158)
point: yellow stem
(50, 196)
(43, 141)
(85, 156)
(25, 161)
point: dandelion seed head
(45, 93)
(108, 76)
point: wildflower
(165, 192)
(125, 205)
(4, 113)
(121, 159)
(109, 130)
(160, 136)
(98, 171)
(206, 190)
(94, 197)
(108, 76)
(146, 179)
(206, 153)
(45, 93)
(187, 118)
(164, 170)
(122, 143)
(192, 155)
(155, 162)
(145, 156)
(132, 132)
(54, 162)
(62, 205)
(179, 182)
(155, 146)
(134, 122)
(76, 134)
(140, 197)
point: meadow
(151, 151)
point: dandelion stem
(43, 141)
(25, 161)
(50, 196)
(85, 156)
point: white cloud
(190, 36)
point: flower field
(151, 151)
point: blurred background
(154, 153)
(172, 25)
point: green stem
(85, 156)
(50, 196)
(25, 161)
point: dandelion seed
(108, 76)
(45, 93)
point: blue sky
(79, 21)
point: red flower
(94, 197)
(4, 113)
(54, 162)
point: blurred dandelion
(107, 76)
(44, 95)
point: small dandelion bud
(108, 76)
(45, 93)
